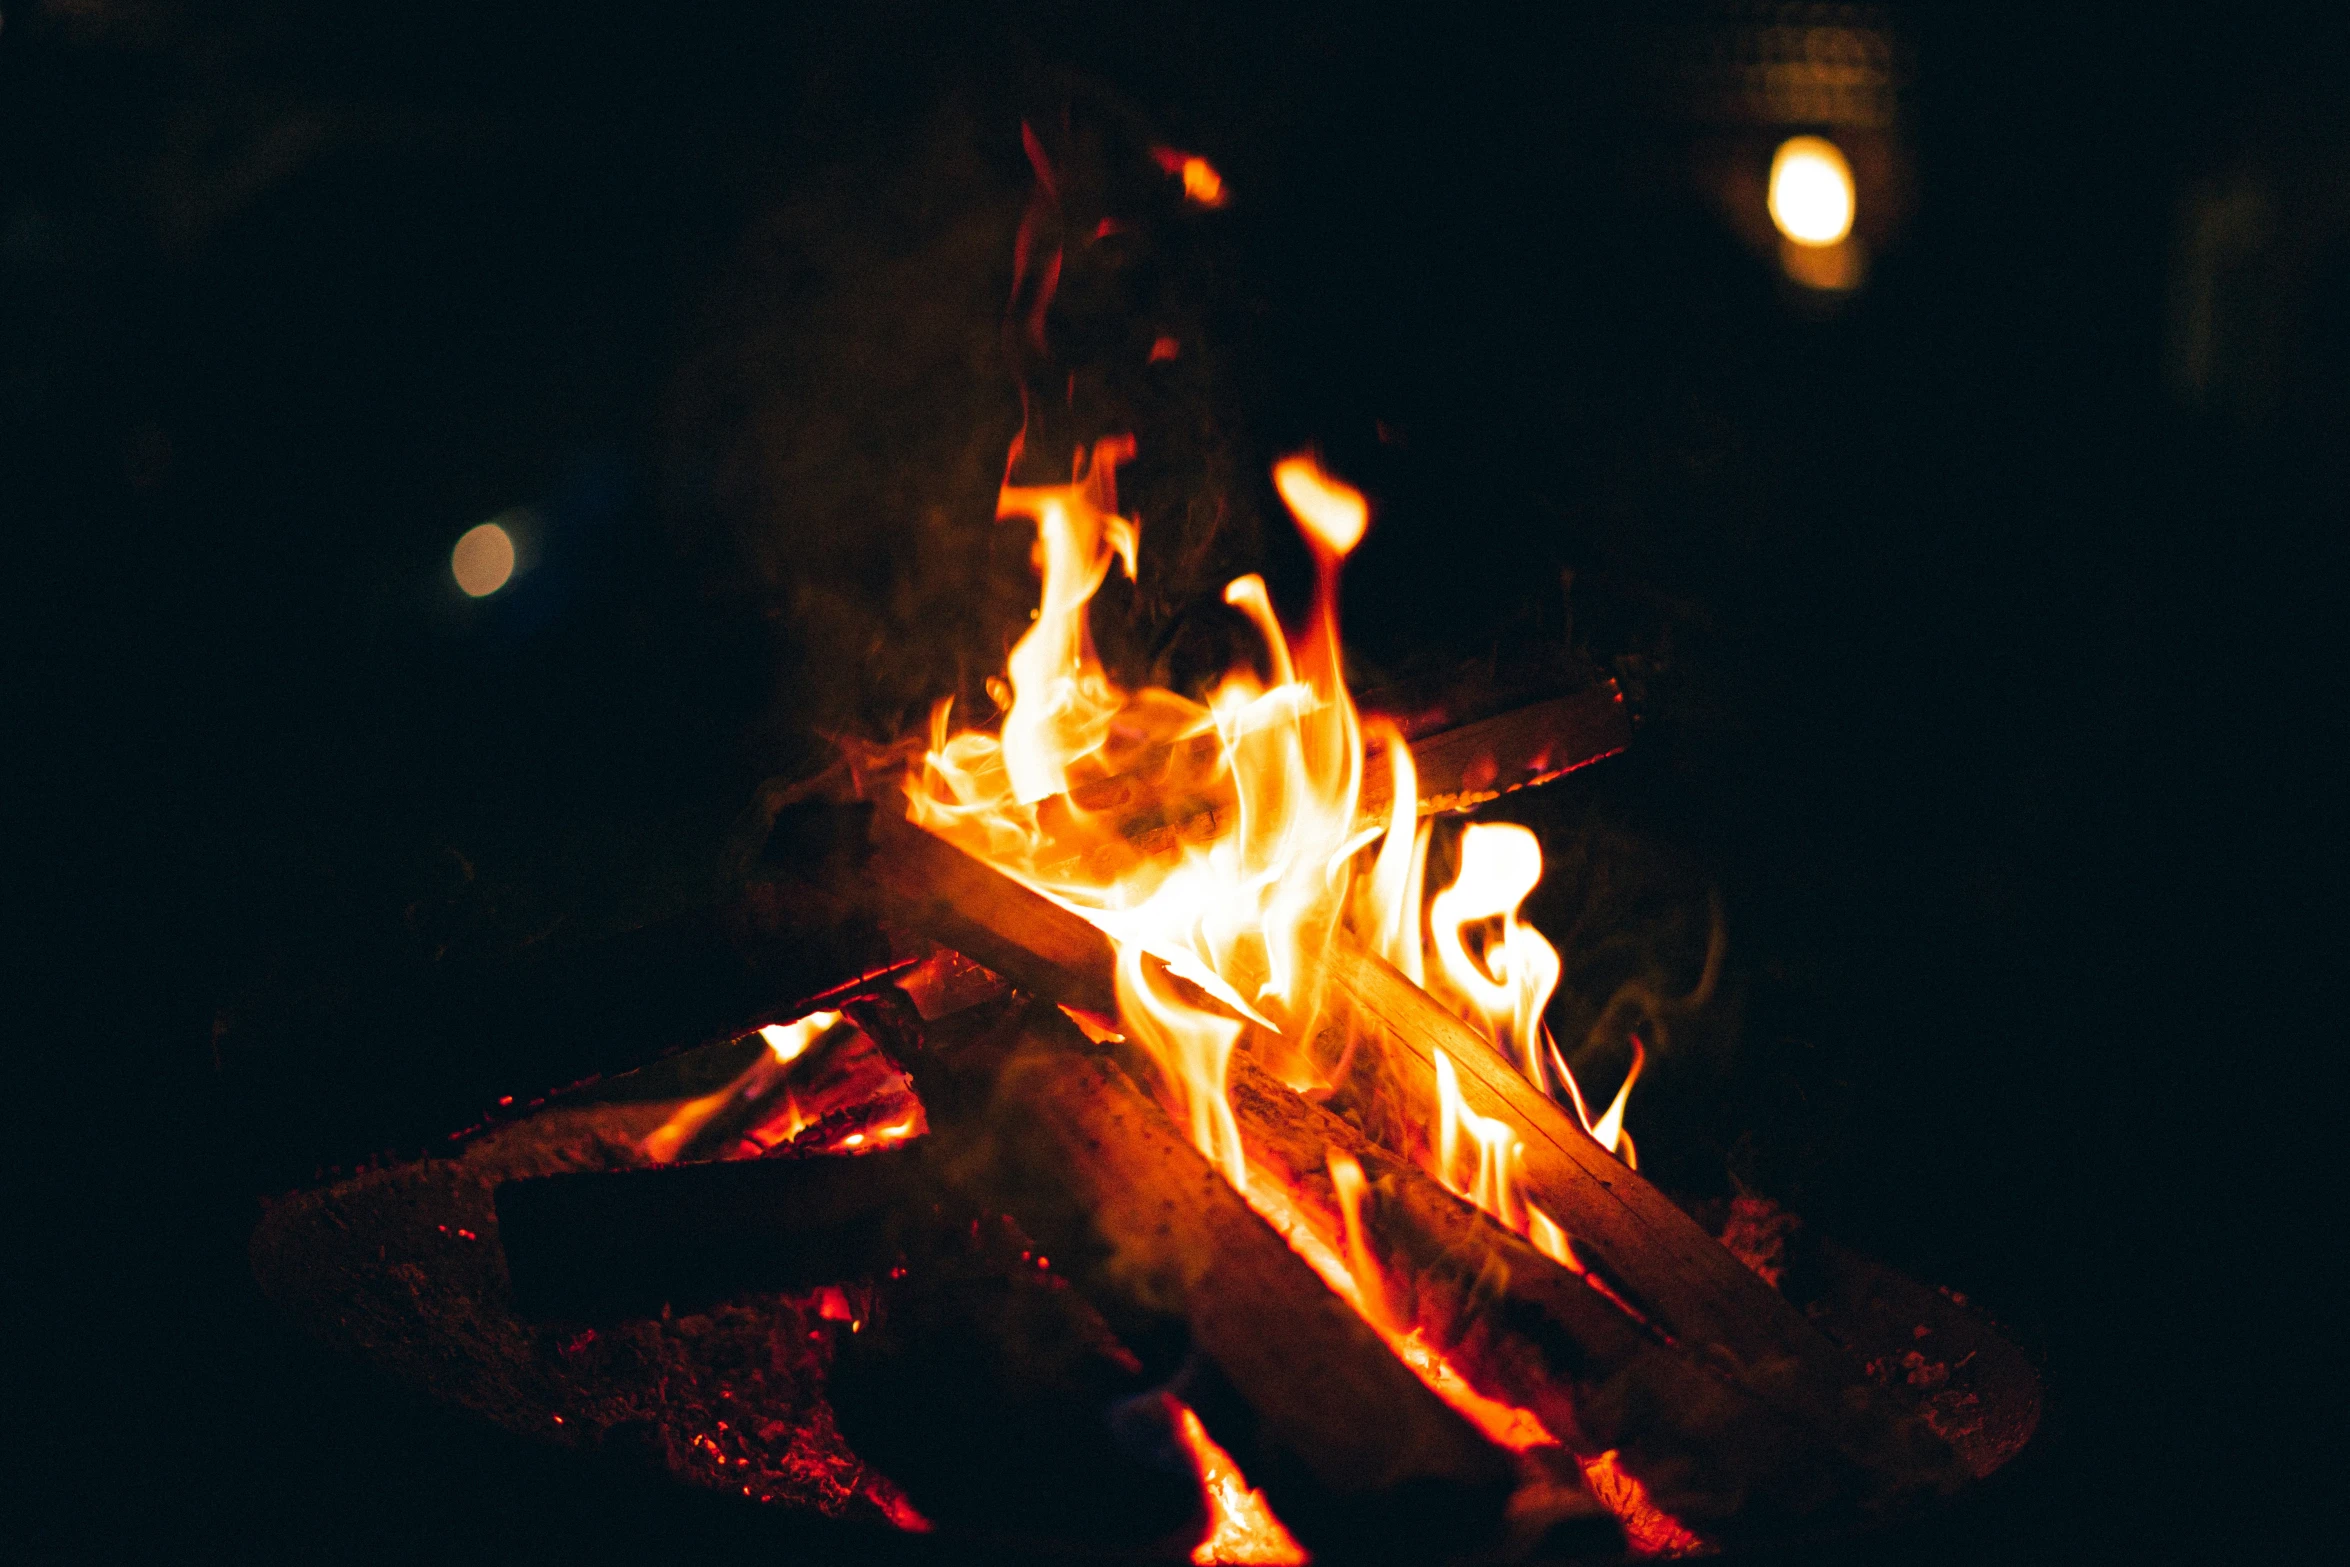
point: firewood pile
(935, 1249)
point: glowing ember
(845, 1098)
(1648, 1529)
(1242, 1531)
(1201, 182)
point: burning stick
(1525, 1332)
(1466, 766)
(1674, 1273)
(1177, 794)
(1356, 1456)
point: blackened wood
(1176, 795)
(1687, 1282)
(599, 1244)
(995, 1396)
(1670, 1268)
(935, 888)
(1467, 765)
(1525, 1331)
(404, 1068)
(1355, 1455)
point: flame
(1242, 1531)
(1508, 986)
(1062, 702)
(788, 1041)
(1249, 798)
(1201, 182)
(1240, 920)
(1394, 896)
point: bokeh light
(483, 560)
(1811, 191)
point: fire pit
(1153, 1143)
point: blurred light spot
(1811, 191)
(1201, 182)
(483, 560)
(1164, 348)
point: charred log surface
(594, 1245)
(1674, 1272)
(403, 1268)
(1355, 1455)
(1467, 765)
(1671, 1269)
(396, 1071)
(998, 1398)
(1525, 1331)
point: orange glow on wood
(1242, 1531)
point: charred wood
(596, 1245)
(340, 1080)
(1674, 1273)
(995, 1396)
(1354, 1454)
(1669, 1268)
(1525, 1331)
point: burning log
(1528, 1333)
(473, 1043)
(1470, 764)
(606, 1243)
(1671, 1270)
(1176, 794)
(1355, 1455)
(1663, 1264)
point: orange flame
(787, 1042)
(1224, 925)
(1201, 182)
(1242, 1531)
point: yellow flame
(1398, 885)
(1510, 987)
(788, 1041)
(1242, 1531)
(1201, 182)
(1490, 1181)
(1062, 702)
(1333, 514)
(1243, 917)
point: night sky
(1984, 618)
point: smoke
(840, 428)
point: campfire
(1170, 1114)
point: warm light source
(1811, 191)
(483, 560)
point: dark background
(1983, 625)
